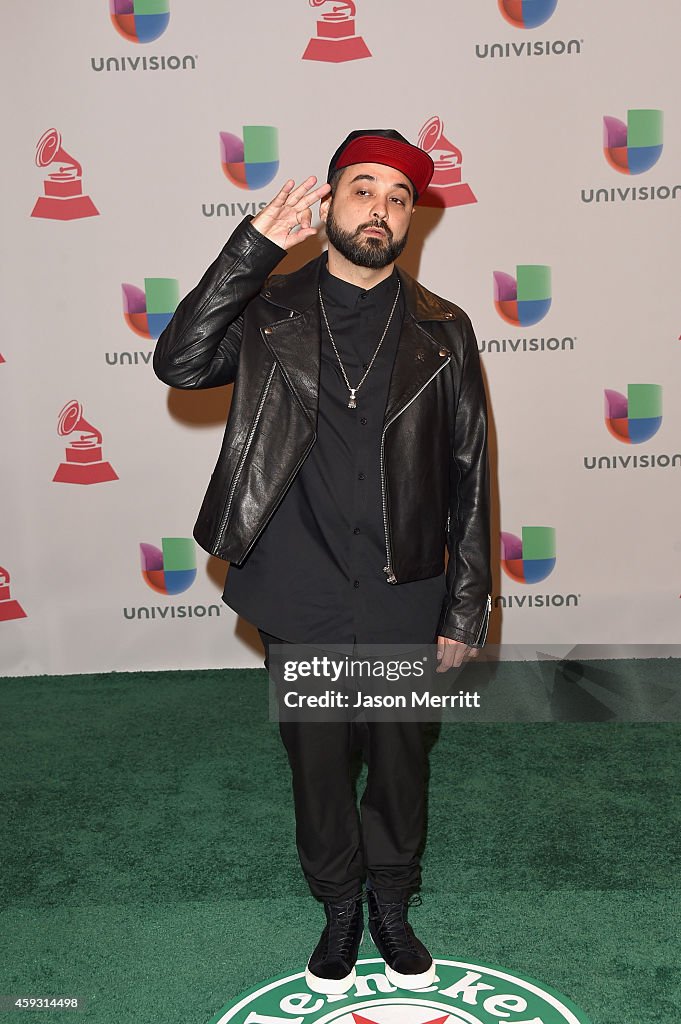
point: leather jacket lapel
(295, 344)
(294, 337)
(418, 359)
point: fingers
(283, 193)
(298, 235)
(452, 653)
(287, 219)
(301, 196)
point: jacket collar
(298, 292)
(296, 321)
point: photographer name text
(417, 699)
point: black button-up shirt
(316, 574)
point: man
(354, 452)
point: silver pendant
(352, 404)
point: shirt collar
(355, 299)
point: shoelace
(340, 921)
(393, 926)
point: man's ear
(324, 205)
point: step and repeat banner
(140, 132)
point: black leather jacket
(264, 334)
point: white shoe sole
(411, 982)
(329, 986)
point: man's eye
(396, 199)
(362, 192)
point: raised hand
(287, 220)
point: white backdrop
(521, 116)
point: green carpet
(149, 866)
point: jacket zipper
(244, 453)
(295, 469)
(484, 625)
(388, 569)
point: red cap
(387, 147)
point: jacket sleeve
(465, 613)
(200, 346)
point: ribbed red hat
(385, 146)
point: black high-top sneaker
(331, 968)
(408, 964)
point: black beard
(374, 253)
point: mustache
(375, 224)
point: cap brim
(373, 149)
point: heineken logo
(462, 993)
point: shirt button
(356, 530)
(360, 476)
(363, 421)
(365, 366)
(356, 584)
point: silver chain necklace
(352, 403)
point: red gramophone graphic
(64, 198)
(446, 187)
(84, 463)
(9, 609)
(336, 40)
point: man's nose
(379, 208)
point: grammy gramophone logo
(64, 198)
(336, 41)
(84, 463)
(447, 187)
(9, 608)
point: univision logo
(170, 569)
(633, 418)
(636, 146)
(632, 147)
(531, 558)
(636, 416)
(522, 301)
(147, 313)
(461, 991)
(250, 162)
(525, 299)
(528, 14)
(141, 21)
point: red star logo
(359, 1019)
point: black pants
(338, 847)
